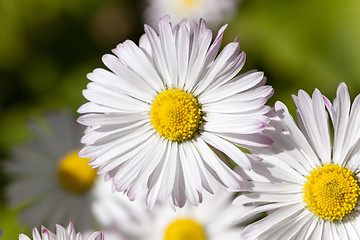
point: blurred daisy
(215, 12)
(169, 111)
(48, 176)
(212, 220)
(61, 234)
(309, 188)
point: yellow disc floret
(175, 114)
(184, 229)
(189, 3)
(331, 192)
(74, 173)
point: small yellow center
(188, 3)
(331, 192)
(184, 229)
(175, 114)
(74, 173)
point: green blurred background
(48, 46)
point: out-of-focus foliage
(48, 46)
(302, 44)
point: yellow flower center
(184, 229)
(74, 173)
(175, 114)
(331, 192)
(188, 3)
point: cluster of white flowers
(165, 124)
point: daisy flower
(215, 12)
(49, 178)
(169, 112)
(61, 234)
(307, 183)
(212, 220)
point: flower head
(61, 234)
(215, 12)
(170, 111)
(308, 185)
(47, 174)
(212, 220)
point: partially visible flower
(48, 177)
(307, 183)
(169, 113)
(212, 220)
(215, 12)
(61, 234)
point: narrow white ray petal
(352, 228)
(322, 122)
(157, 54)
(296, 225)
(228, 148)
(111, 119)
(298, 137)
(127, 74)
(310, 117)
(234, 107)
(318, 233)
(215, 46)
(204, 174)
(217, 66)
(196, 67)
(112, 101)
(339, 232)
(282, 210)
(341, 107)
(267, 198)
(283, 224)
(190, 165)
(189, 180)
(227, 176)
(133, 102)
(237, 85)
(141, 90)
(167, 41)
(144, 44)
(90, 107)
(24, 237)
(127, 143)
(241, 126)
(178, 193)
(256, 140)
(157, 182)
(169, 175)
(183, 51)
(136, 59)
(233, 67)
(148, 164)
(353, 128)
(274, 187)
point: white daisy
(61, 234)
(169, 110)
(48, 176)
(212, 220)
(215, 12)
(308, 186)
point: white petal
(229, 149)
(229, 178)
(298, 137)
(136, 59)
(167, 41)
(341, 107)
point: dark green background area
(48, 46)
